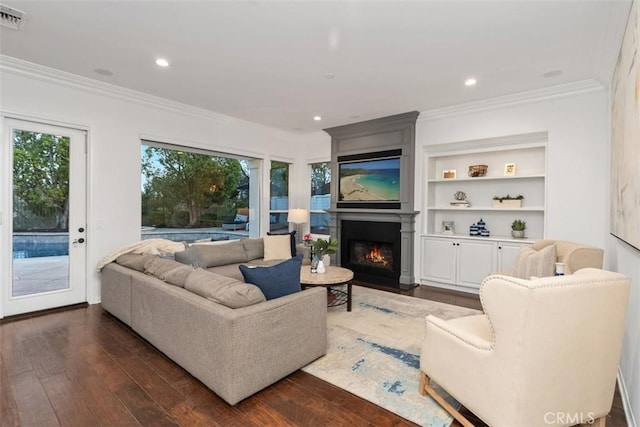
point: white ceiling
(266, 61)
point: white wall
(578, 176)
(577, 173)
(626, 259)
(115, 125)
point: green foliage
(320, 178)
(518, 225)
(41, 177)
(508, 197)
(323, 247)
(178, 181)
(279, 179)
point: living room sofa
(233, 351)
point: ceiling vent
(10, 17)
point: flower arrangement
(322, 247)
(307, 237)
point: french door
(45, 232)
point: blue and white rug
(374, 352)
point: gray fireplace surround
(388, 133)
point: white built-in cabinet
(459, 260)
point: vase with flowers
(322, 247)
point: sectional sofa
(233, 351)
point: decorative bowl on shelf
(476, 171)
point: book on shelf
(459, 203)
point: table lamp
(297, 217)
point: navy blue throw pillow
(292, 235)
(275, 281)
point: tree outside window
(279, 198)
(185, 189)
(320, 197)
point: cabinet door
(507, 254)
(438, 260)
(476, 260)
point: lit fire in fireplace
(375, 256)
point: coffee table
(333, 277)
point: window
(320, 197)
(186, 189)
(279, 203)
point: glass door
(47, 199)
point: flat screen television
(372, 180)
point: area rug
(374, 352)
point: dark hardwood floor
(82, 367)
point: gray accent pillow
(134, 261)
(190, 256)
(254, 248)
(223, 290)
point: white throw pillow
(540, 263)
(277, 247)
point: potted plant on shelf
(322, 247)
(517, 228)
(508, 201)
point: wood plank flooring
(82, 367)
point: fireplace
(372, 251)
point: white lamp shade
(298, 216)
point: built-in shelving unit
(528, 153)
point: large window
(320, 197)
(279, 202)
(186, 189)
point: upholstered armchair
(574, 255)
(545, 352)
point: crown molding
(48, 74)
(558, 91)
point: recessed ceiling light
(162, 62)
(470, 82)
(329, 76)
(317, 118)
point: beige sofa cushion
(535, 263)
(254, 248)
(213, 255)
(167, 270)
(277, 247)
(134, 261)
(223, 290)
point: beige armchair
(544, 353)
(574, 255)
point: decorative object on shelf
(476, 171)
(479, 229)
(508, 201)
(322, 247)
(559, 268)
(460, 200)
(517, 228)
(449, 174)
(509, 169)
(447, 227)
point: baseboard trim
(626, 404)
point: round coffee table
(333, 277)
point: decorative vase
(326, 260)
(518, 234)
(321, 268)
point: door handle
(76, 241)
